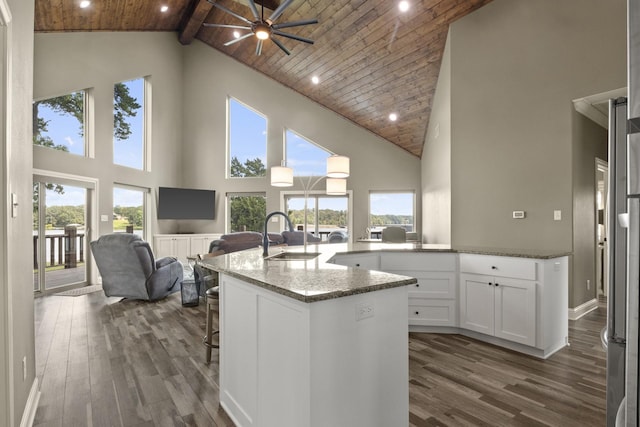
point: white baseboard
(579, 311)
(31, 407)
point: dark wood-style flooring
(106, 362)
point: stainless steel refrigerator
(624, 240)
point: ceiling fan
(263, 28)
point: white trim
(595, 106)
(583, 309)
(31, 406)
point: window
(59, 123)
(129, 124)
(391, 208)
(305, 157)
(247, 141)
(246, 212)
(129, 210)
(332, 213)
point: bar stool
(212, 296)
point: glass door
(60, 212)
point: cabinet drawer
(440, 285)
(363, 261)
(418, 261)
(432, 313)
(518, 268)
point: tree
(247, 213)
(251, 168)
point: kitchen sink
(293, 256)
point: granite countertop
(317, 279)
(304, 280)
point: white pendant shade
(336, 186)
(281, 176)
(338, 166)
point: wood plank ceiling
(371, 59)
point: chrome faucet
(265, 236)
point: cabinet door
(163, 247)
(515, 310)
(200, 245)
(476, 303)
(182, 248)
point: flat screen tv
(186, 203)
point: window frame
(88, 122)
(414, 207)
(228, 139)
(146, 194)
(228, 195)
(307, 140)
(146, 127)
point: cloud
(69, 141)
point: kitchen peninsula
(313, 343)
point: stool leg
(208, 331)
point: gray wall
(16, 289)
(516, 66)
(436, 161)
(210, 77)
(589, 141)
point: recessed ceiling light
(164, 8)
(315, 80)
(403, 6)
(85, 3)
(236, 34)
(393, 117)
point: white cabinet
(181, 245)
(499, 306)
(520, 303)
(285, 363)
(370, 261)
(433, 300)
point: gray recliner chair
(129, 270)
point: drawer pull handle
(417, 313)
(417, 285)
(357, 265)
(490, 284)
(497, 285)
(493, 267)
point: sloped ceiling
(371, 59)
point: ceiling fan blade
(259, 48)
(281, 46)
(293, 36)
(276, 13)
(230, 12)
(254, 10)
(294, 24)
(239, 27)
(229, 43)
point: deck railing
(61, 249)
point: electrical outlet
(24, 368)
(364, 310)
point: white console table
(182, 245)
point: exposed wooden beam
(199, 14)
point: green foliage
(124, 106)
(326, 217)
(251, 168)
(59, 216)
(381, 220)
(248, 213)
(133, 214)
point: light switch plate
(557, 215)
(518, 214)
(104, 218)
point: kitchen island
(323, 341)
(311, 343)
